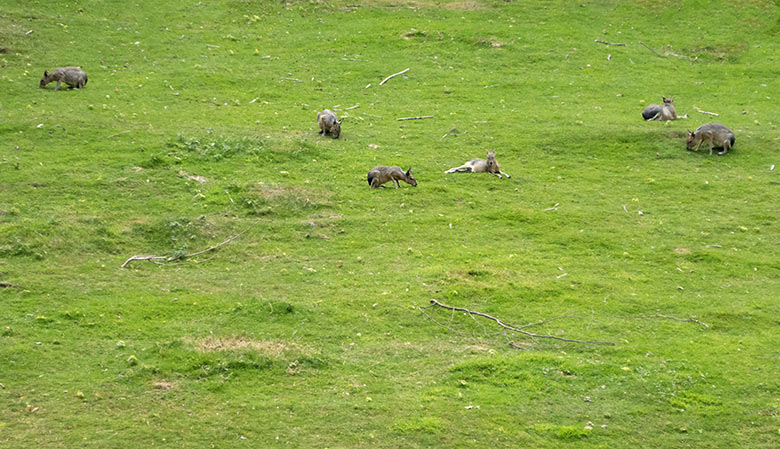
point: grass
(305, 331)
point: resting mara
(657, 112)
(329, 123)
(481, 165)
(716, 134)
(383, 173)
(72, 76)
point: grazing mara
(481, 165)
(657, 112)
(383, 173)
(716, 134)
(329, 123)
(72, 76)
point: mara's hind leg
(726, 148)
(461, 169)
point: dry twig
(655, 52)
(118, 134)
(705, 112)
(609, 43)
(507, 327)
(292, 79)
(658, 315)
(394, 74)
(154, 259)
(415, 118)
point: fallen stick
(352, 107)
(705, 112)
(394, 74)
(658, 315)
(118, 134)
(292, 79)
(609, 43)
(473, 313)
(655, 52)
(153, 259)
(415, 118)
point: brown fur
(329, 123)
(383, 173)
(72, 76)
(716, 134)
(489, 165)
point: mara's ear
(45, 73)
(409, 172)
(339, 122)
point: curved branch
(154, 259)
(498, 321)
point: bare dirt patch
(164, 385)
(415, 4)
(275, 349)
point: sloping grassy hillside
(306, 330)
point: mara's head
(410, 177)
(335, 130)
(669, 100)
(691, 141)
(491, 159)
(45, 80)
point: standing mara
(329, 123)
(72, 76)
(383, 173)
(716, 134)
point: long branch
(182, 256)
(473, 313)
(414, 118)
(394, 74)
(705, 112)
(658, 315)
(610, 43)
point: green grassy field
(198, 123)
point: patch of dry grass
(276, 349)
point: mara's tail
(85, 80)
(732, 139)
